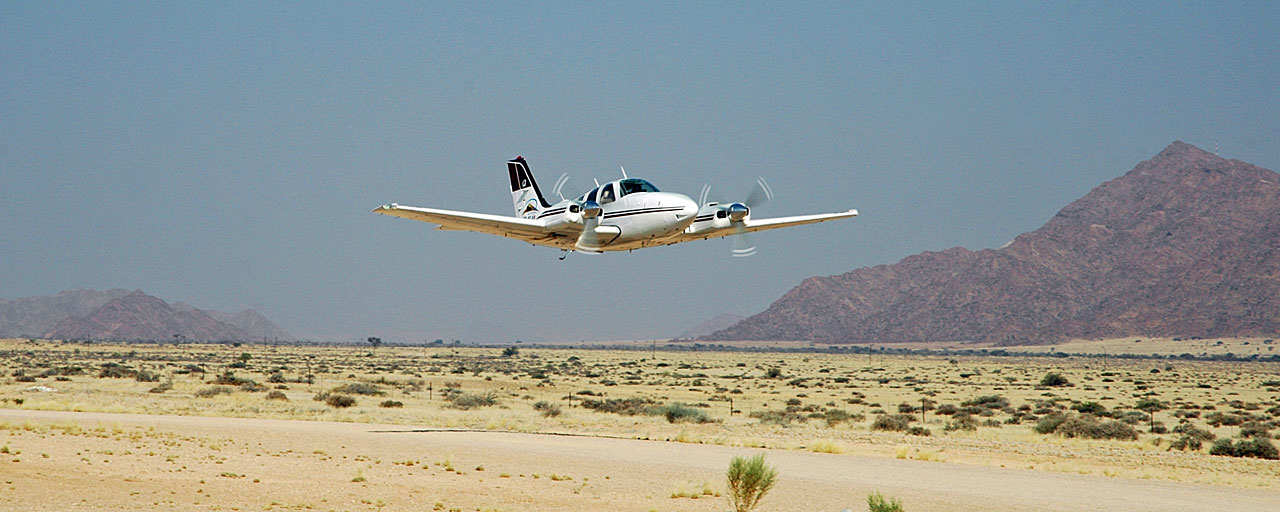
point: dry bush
(1085, 426)
(213, 391)
(633, 406)
(892, 422)
(277, 395)
(340, 401)
(360, 388)
(547, 409)
(467, 401)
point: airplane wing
(532, 231)
(754, 225)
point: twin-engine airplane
(623, 215)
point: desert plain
(270, 427)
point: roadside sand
(99, 461)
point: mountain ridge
(121, 315)
(1181, 245)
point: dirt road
(94, 461)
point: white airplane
(622, 215)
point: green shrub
(876, 502)
(1085, 426)
(1054, 379)
(749, 480)
(510, 351)
(681, 413)
(1255, 448)
(919, 431)
(987, 402)
(1049, 423)
(1093, 408)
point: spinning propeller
(737, 214)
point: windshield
(634, 185)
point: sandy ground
(98, 461)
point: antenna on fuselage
(624, 172)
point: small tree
(749, 480)
(1150, 406)
(375, 341)
(510, 351)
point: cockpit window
(591, 196)
(606, 194)
(633, 185)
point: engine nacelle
(590, 210)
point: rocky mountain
(141, 317)
(34, 316)
(714, 324)
(1185, 244)
(128, 316)
(251, 322)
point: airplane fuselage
(635, 220)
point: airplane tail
(525, 195)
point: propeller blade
(760, 194)
(559, 186)
(742, 246)
(702, 198)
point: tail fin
(525, 194)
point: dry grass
(821, 402)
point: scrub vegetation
(1177, 420)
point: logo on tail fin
(525, 194)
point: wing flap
(532, 231)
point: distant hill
(29, 317)
(251, 322)
(716, 323)
(1185, 244)
(128, 316)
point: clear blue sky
(228, 154)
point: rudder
(525, 195)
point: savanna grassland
(1205, 423)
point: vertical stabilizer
(525, 195)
